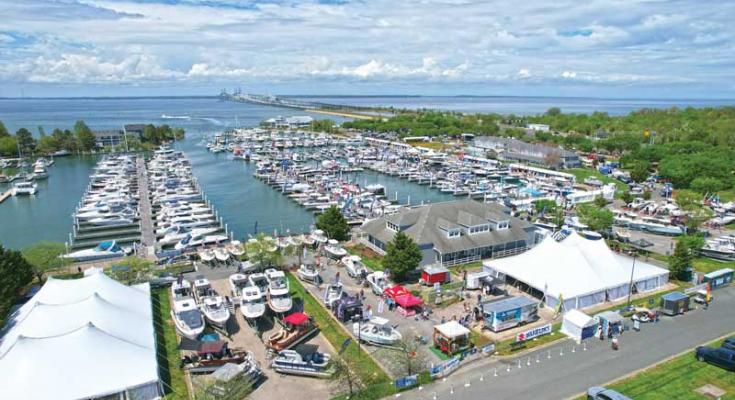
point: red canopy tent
(403, 297)
(296, 318)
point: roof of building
(509, 303)
(99, 329)
(428, 224)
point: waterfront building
(515, 150)
(134, 129)
(109, 138)
(456, 232)
(294, 122)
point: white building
(538, 127)
(84, 338)
(578, 271)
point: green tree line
(78, 139)
(430, 123)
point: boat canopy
(296, 318)
(107, 245)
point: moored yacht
(185, 313)
(107, 249)
(279, 299)
(211, 303)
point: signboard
(444, 369)
(407, 381)
(533, 333)
(488, 348)
(507, 319)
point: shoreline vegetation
(79, 140)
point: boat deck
(5, 195)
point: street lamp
(358, 320)
(632, 269)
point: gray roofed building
(455, 232)
(510, 149)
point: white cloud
(451, 43)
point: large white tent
(580, 271)
(85, 338)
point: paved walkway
(148, 237)
(566, 369)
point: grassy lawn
(727, 195)
(459, 269)
(677, 379)
(582, 173)
(437, 146)
(706, 265)
(167, 344)
(369, 257)
(503, 348)
(370, 373)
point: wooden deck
(5, 195)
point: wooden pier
(5, 195)
(148, 236)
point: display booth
(674, 303)
(432, 274)
(407, 303)
(451, 338)
(578, 325)
(610, 322)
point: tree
(681, 260)
(697, 213)
(344, 376)
(552, 159)
(132, 270)
(600, 202)
(262, 249)
(8, 146)
(178, 133)
(402, 256)
(44, 257)
(334, 224)
(639, 172)
(409, 356)
(85, 136)
(3, 130)
(15, 274)
(25, 139)
(553, 111)
(598, 219)
(544, 206)
(708, 184)
(627, 197)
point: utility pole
(632, 269)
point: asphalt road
(557, 372)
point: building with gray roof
(455, 232)
(510, 149)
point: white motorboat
(194, 241)
(107, 249)
(235, 248)
(308, 240)
(279, 299)
(207, 255)
(318, 237)
(378, 282)
(185, 313)
(293, 363)
(308, 272)
(252, 304)
(111, 220)
(354, 266)
(332, 293)
(221, 254)
(377, 331)
(179, 233)
(211, 303)
(24, 188)
(334, 250)
(259, 279)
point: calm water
(518, 105)
(242, 200)
(239, 198)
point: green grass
(677, 379)
(582, 173)
(459, 269)
(504, 348)
(727, 195)
(369, 372)
(369, 258)
(707, 265)
(167, 344)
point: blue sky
(636, 48)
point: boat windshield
(192, 318)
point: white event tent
(578, 325)
(78, 339)
(580, 271)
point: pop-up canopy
(403, 297)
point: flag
(709, 292)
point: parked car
(721, 357)
(729, 343)
(601, 393)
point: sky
(591, 48)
